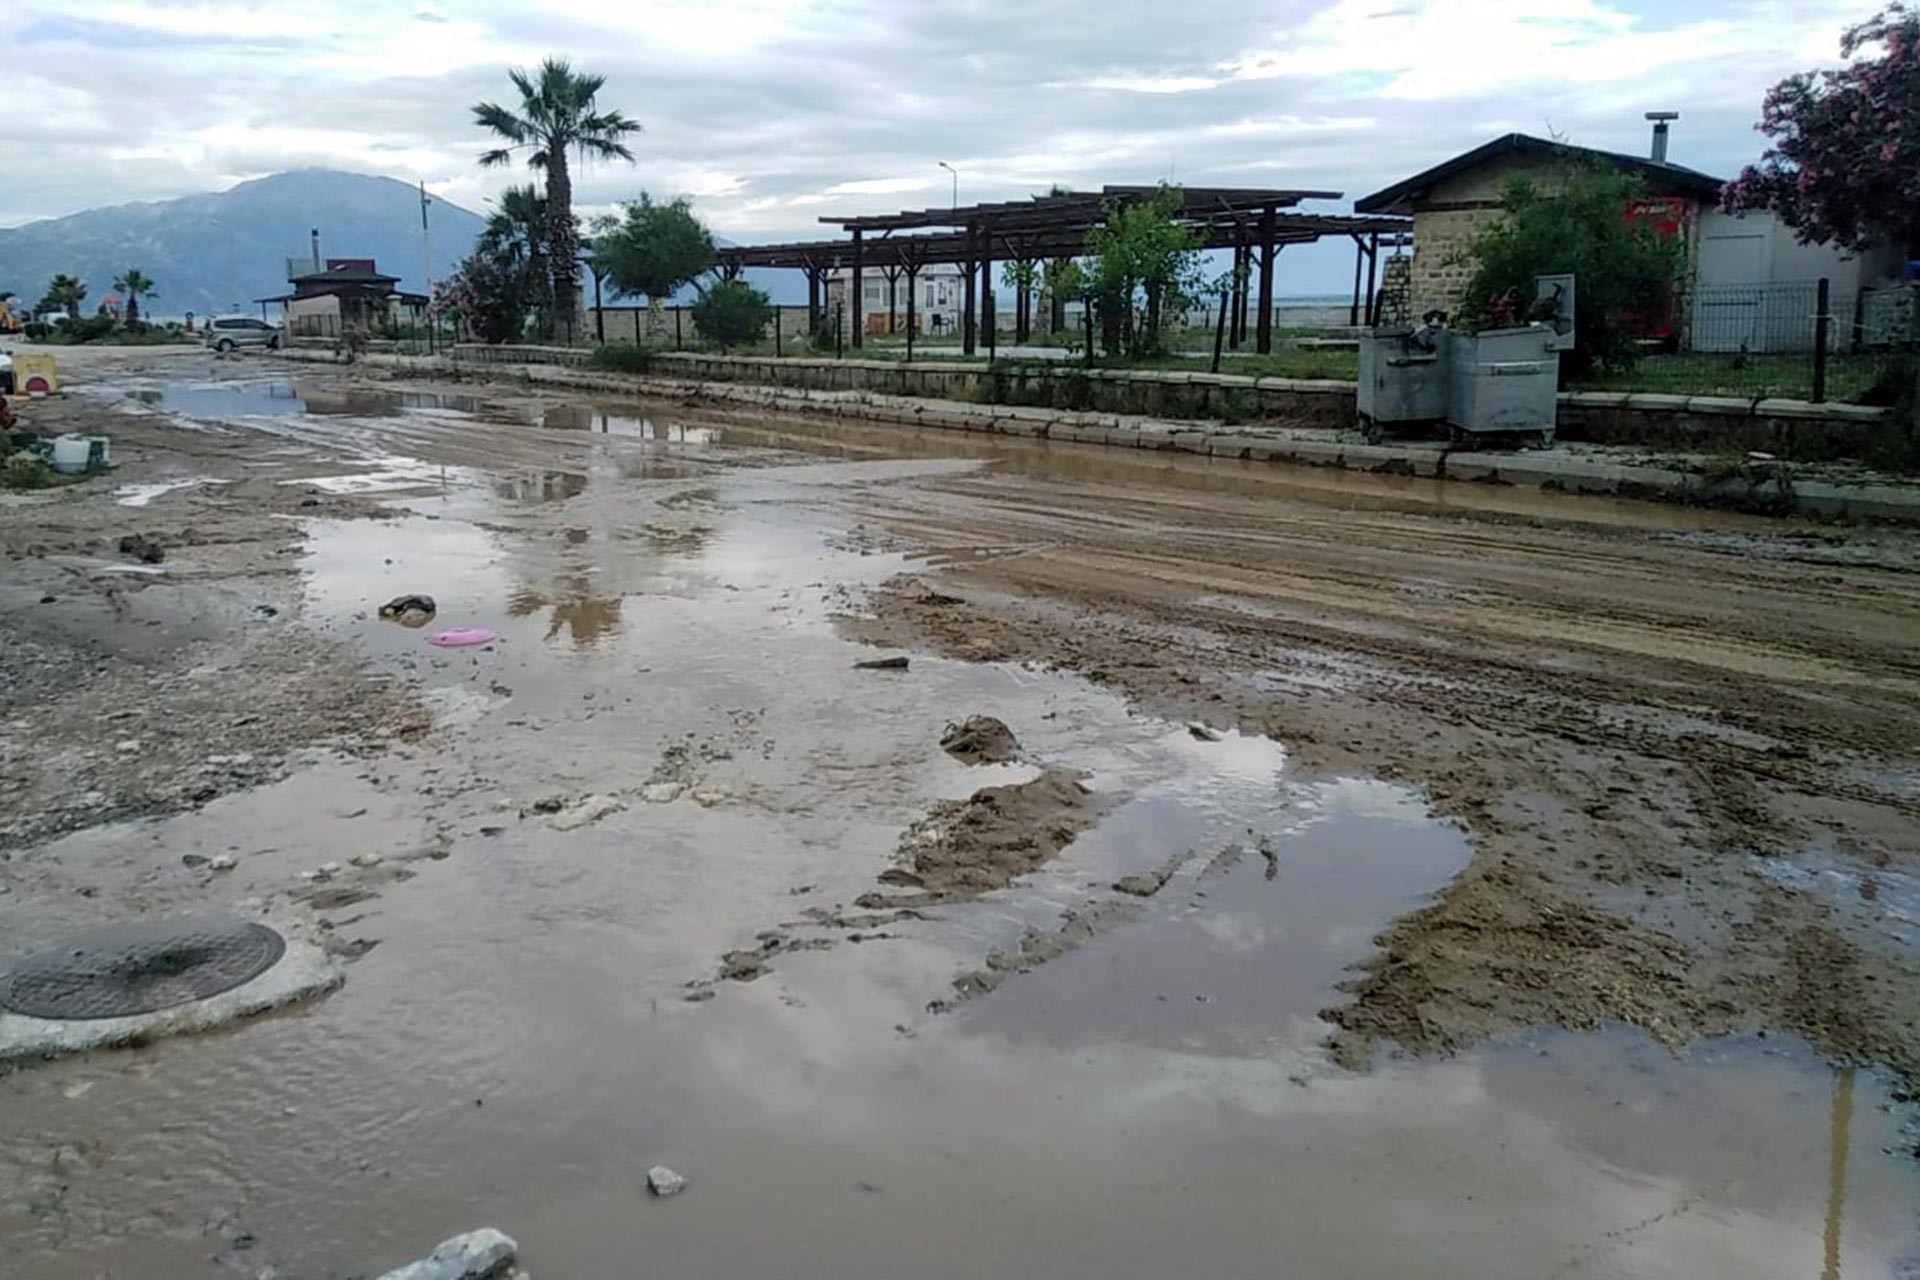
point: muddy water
(518, 1047)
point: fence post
(1822, 335)
(676, 328)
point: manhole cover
(138, 968)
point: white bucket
(70, 454)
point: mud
(1629, 709)
(1570, 762)
(974, 846)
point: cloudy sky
(771, 112)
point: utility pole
(426, 246)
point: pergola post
(813, 304)
(893, 299)
(988, 321)
(1373, 263)
(1057, 302)
(1263, 325)
(1359, 256)
(859, 290)
(1237, 313)
(966, 305)
(913, 272)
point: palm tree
(515, 238)
(517, 227)
(64, 293)
(557, 114)
(135, 284)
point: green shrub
(731, 313)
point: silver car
(230, 333)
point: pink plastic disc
(459, 637)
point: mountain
(208, 252)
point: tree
(557, 114)
(1021, 275)
(1624, 266)
(1063, 279)
(732, 313)
(515, 237)
(135, 284)
(64, 293)
(1141, 266)
(1843, 166)
(493, 292)
(652, 249)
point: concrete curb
(1766, 487)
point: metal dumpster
(1403, 377)
(1504, 381)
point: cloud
(770, 112)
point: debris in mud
(743, 966)
(409, 610)
(1201, 733)
(584, 812)
(222, 862)
(1149, 883)
(485, 1254)
(664, 1182)
(882, 664)
(143, 547)
(750, 963)
(973, 846)
(980, 740)
(1037, 947)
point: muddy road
(1357, 875)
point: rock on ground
(485, 1254)
(664, 1182)
(980, 740)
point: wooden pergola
(1255, 223)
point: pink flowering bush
(1843, 164)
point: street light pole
(956, 181)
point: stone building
(1452, 202)
(1748, 284)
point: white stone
(664, 1182)
(660, 792)
(366, 859)
(127, 745)
(221, 862)
(584, 812)
(478, 1255)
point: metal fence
(1802, 341)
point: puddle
(572, 417)
(1241, 957)
(1885, 901)
(284, 397)
(141, 495)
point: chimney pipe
(316, 242)
(1660, 119)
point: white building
(939, 298)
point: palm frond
(495, 158)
